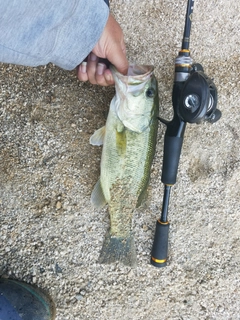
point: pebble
(58, 205)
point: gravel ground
(50, 234)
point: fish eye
(150, 92)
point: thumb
(117, 57)
(111, 45)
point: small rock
(58, 269)
(79, 297)
(58, 205)
(83, 292)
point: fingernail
(93, 57)
(100, 68)
(84, 67)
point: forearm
(59, 31)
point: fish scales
(126, 160)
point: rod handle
(160, 245)
(172, 151)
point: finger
(82, 71)
(104, 76)
(109, 77)
(92, 68)
(104, 61)
(99, 76)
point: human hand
(110, 46)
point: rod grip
(172, 151)
(160, 245)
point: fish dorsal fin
(97, 197)
(97, 138)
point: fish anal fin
(97, 197)
(118, 249)
(98, 137)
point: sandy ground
(50, 234)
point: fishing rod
(194, 99)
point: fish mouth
(136, 73)
(135, 70)
(135, 79)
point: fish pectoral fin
(97, 138)
(97, 197)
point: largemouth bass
(129, 140)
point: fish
(128, 142)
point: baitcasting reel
(198, 100)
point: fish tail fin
(118, 249)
